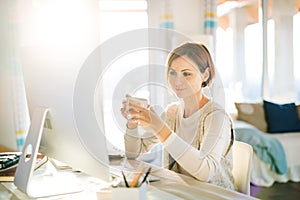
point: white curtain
(14, 111)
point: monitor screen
(74, 137)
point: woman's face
(184, 77)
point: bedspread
(267, 148)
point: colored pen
(126, 183)
(135, 179)
(146, 175)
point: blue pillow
(281, 117)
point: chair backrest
(242, 162)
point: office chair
(242, 162)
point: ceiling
(251, 8)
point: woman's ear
(205, 77)
(206, 74)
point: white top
(198, 153)
(214, 145)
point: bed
(252, 119)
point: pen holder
(132, 193)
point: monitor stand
(55, 183)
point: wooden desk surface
(170, 186)
(182, 187)
(4, 149)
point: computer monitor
(73, 131)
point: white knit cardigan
(172, 116)
(223, 177)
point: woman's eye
(172, 73)
(185, 74)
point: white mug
(136, 101)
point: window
(296, 57)
(117, 17)
(121, 16)
(253, 62)
(249, 88)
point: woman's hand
(145, 117)
(130, 123)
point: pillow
(253, 113)
(281, 117)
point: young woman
(196, 134)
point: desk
(171, 186)
(177, 186)
(5, 149)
